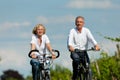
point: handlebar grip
(58, 53)
(49, 57)
(32, 51)
(92, 48)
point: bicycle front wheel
(89, 75)
(47, 75)
(42, 75)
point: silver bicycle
(45, 63)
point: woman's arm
(50, 50)
(49, 47)
(33, 48)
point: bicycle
(45, 63)
(84, 71)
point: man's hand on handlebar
(97, 48)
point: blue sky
(18, 17)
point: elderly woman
(40, 41)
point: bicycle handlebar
(91, 49)
(31, 52)
(58, 53)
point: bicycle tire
(89, 75)
(47, 75)
(40, 75)
(84, 74)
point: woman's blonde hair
(35, 29)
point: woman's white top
(41, 47)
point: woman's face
(40, 31)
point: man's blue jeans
(35, 69)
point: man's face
(79, 23)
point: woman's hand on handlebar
(53, 55)
(33, 55)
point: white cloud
(25, 35)
(58, 37)
(108, 46)
(7, 25)
(63, 19)
(102, 4)
(42, 19)
(11, 58)
(55, 20)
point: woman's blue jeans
(35, 69)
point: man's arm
(70, 41)
(33, 48)
(91, 38)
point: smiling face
(79, 22)
(40, 30)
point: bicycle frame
(84, 72)
(45, 62)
